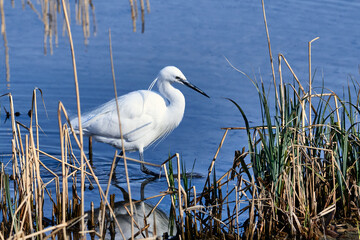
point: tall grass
(303, 174)
(36, 205)
(304, 158)
(306, 173)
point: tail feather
(75, 124)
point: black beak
(194, 87)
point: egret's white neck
(175, 98)
(173, 95)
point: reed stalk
(79, 115)
(122, 138)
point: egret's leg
(90, 151)
(143, 168)
(118, 160)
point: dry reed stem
(39, 191)
(21, 146)
(326, 211)
(302, 103)
(292, 72)
(181, 211)
(140, 230)
(27, 184)
(13, 224)
(143, 200)
(310, 87)
(12, 112)
(214, 159)
(19, 208)
(35, 155)
(282, 89)
(337, 111)
(270, 54)
(138, 161)
(333, 173)
(169, 187)
(64, 173)
(252, 211)
(101, 225)
(79, 117)
(122, 138)
(66, 163)
(310, 131)
(167, 160)
(59, 226)
(61, 108)
(290, 203)
(34, 107)
(156, 205)
(244, 128)
(195, 204)
(102, 194)
(237, 211)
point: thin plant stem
(270, 54)
(79, 118)
(122, 138)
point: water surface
(194, 36)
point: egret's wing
(138, 112)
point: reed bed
(28, 193)
(304, 159)
(299, 177)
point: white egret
(145, 115)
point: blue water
(194, 36)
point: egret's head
(171, 74)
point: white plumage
(145, 115)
